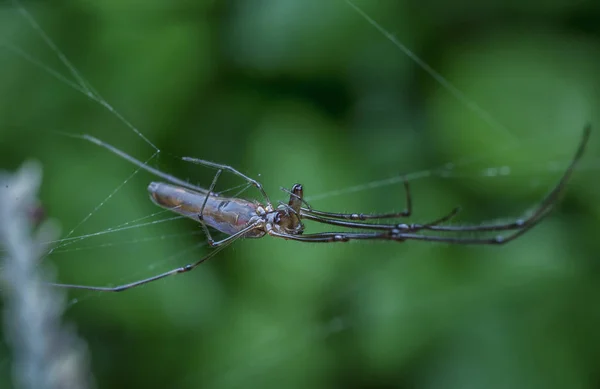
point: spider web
(500, 164)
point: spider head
(287, 216)
(287, 221)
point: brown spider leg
(179, 270)
(232, 170)
(361, 216)
(209, 239)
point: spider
(240, 218)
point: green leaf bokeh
(308, 91)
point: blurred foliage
(308, 91)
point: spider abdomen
(228, 215)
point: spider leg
(497, 240)
(401, 236)
(209, 239)
(417, 227)
(149, 169)
(178, 270)
(362, 216)
(325, 237)
(382, 227)
(542, 210)
(403, 232)
(232, 170)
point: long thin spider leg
(237, 235)
(179, 270)
(121, 288)
(418, 227)
(325, 237)
(362, 216)
(398, 236)
(382, 227)
(349, 224)
(543, 208)
(497, 240)
(210, 240)
(406, 232)
(156, 172)
(232, 170)
(329, 237)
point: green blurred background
(307, 91)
